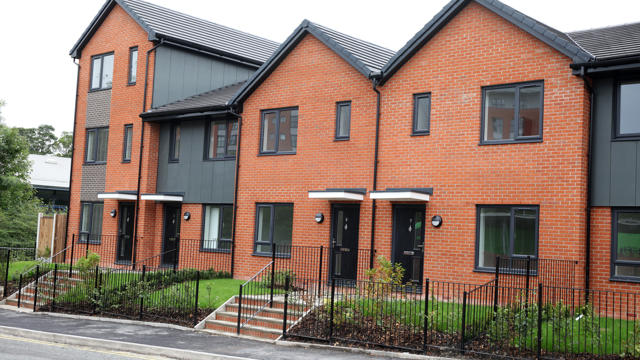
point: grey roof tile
(210, 99)
(610, 42)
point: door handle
(345, 249)
(407, 252)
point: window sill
(276, 154)
(126, 161)
(91, 242)
(98, 90)
(625, 138)
(226, 158)
(635, 280)
(122, 262)
(131, 84)
(503, 142)
(222, 251)
(95, 163)
(420, 133)
(174, 161)
(505, 271)
(278, 256)
(341, 139)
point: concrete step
(265, 312)
(278, 303)
(28, 304)
(247, 329)
(259, 321)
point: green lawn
(213, 293)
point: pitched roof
(48, 171)
(610, 42)
(163, 23)
(215, 99)
(552, 37)
(364, 56)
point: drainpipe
(587, 266)
(235, 193)
(73, 147)
(375, 79)
(144, 108)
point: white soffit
(117, 196)
(399, 195)
(161, 197)
(336, 195)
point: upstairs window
(512, 113)
(96, 147)
(174, 143)
(279, 131)
(421, 114)
(133, 65)
(102, 71)
(128, 142)
(91, 222)
(343, 120)
(221, 141)
(628, 109)
(217, 223)
(625, 252)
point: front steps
(266, 324)
(45, 290)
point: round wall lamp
(319, 218)
(436, 221)
(113, 213)
(187, 216)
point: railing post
(86, 253)
(35, 295)
(175, 259)
(195, 309)
(495, 295)
(273, 273)
(426, 316)
(333, 294)
(239, 309)
(144, 270)
(95, 288)
(73, 242)
(286, 303)
(539, 320)
(464, 318)
(320, 271)
(19, 290)
(6, 275)
(526, 289)
(55, 286)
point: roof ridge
(200, 19)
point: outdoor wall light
(187, 216)
(436, 221)
(319, 218)
(113, 213)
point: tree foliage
(42, 140)
(64, 144)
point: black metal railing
(528, 272)
(256, 294)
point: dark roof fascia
(621, 61)
(538, 30)
(210, 111)
(306, 27)
(360, 191)
(54, 188)
(428, 191)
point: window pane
(529, 111)
(629, 108)
(107, 71)
(133, 66)
(494, 235)
(103, 135)
(628, 246)
(96, 65)
(227, 222)
(91, 146)
(232, 138)
(128, 138)
(96, 222)
(344, 119)
(499, 121)
(283, 227)
(217, 139)
(264, 227)
(422, 113)
(288, 131)
(85, 225)
(269, 124)
(175, 150)
(525, 222)
(211, 223)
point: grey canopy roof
(610, 42)
(163, 23)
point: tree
(64, 144)
(2, 103)
(42, 140)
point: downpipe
(589, 170)
(375, 79)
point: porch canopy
(176, 197)
(338, 194)
(402, 194)
(119, 195)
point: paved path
(168, 337)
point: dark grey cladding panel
(93, 179)
(200, 180)
(98, 108)
(623, 173)
(179, 74)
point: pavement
(116, 339)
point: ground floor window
(274, 225)
(217, 222)
(506, 231)
(625, 252)
(91, 222)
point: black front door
(125, 233)
(171, 235)
(345, 221)
(408, 240)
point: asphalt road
(17, 348)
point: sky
(38, 77)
